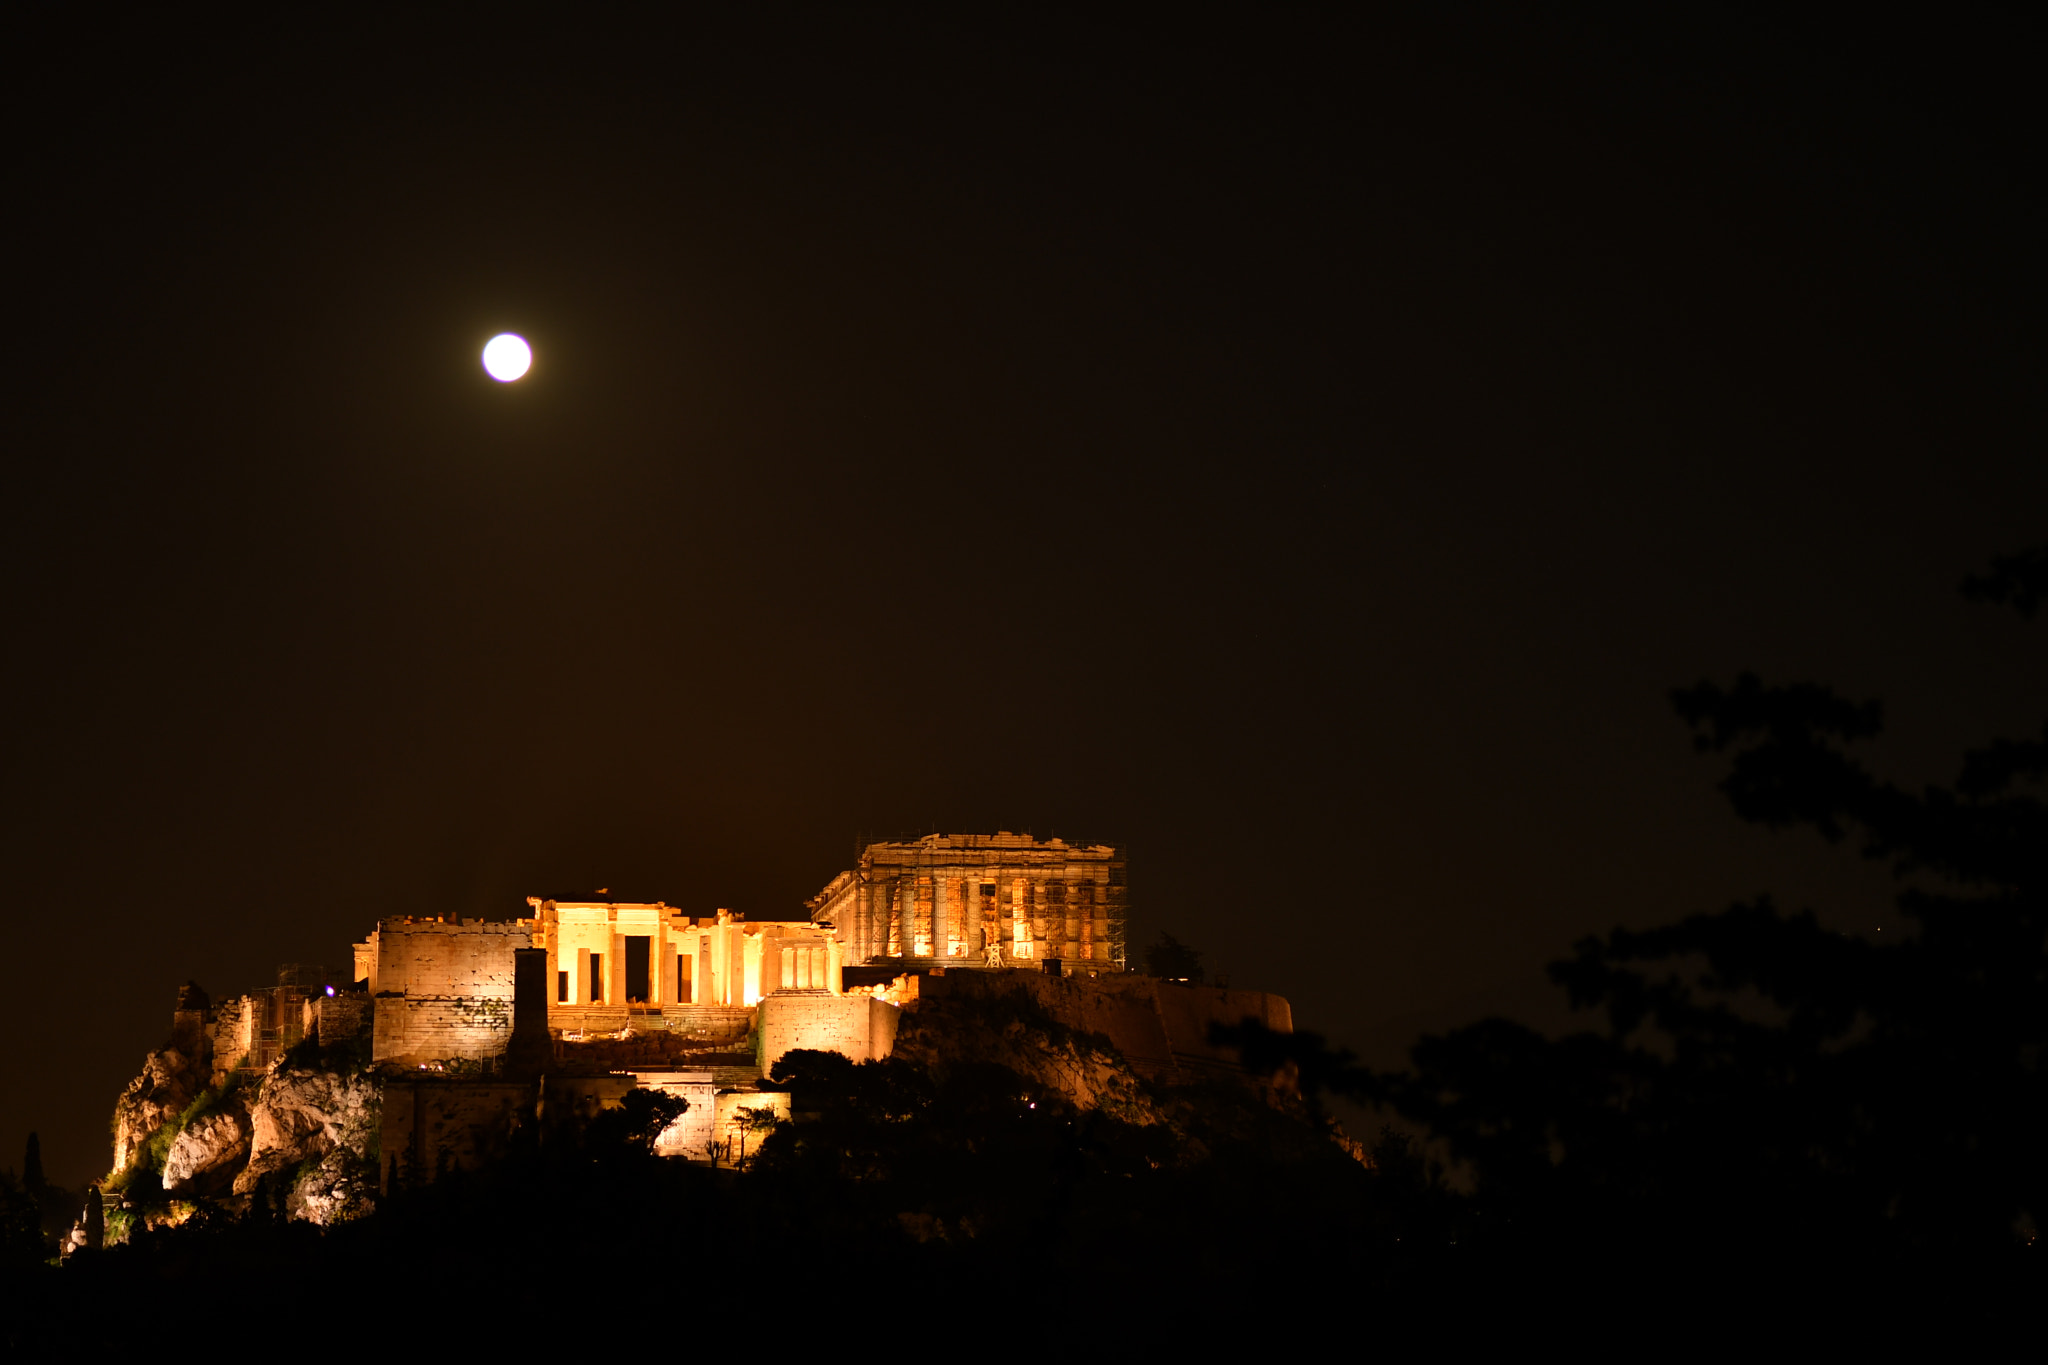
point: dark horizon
(1306, 451)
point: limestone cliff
(342, 1186)
(170, 1081)
(207, 1153)
(302, 1135)
(309, 1116)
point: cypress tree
(95, 1218)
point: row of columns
(946, 917)
(810, 965)
(687, 966)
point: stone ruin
(450, 1034)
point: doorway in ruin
(637, 989)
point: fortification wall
(341, 1017)
(192, 1031)
(855, 1026)
(432, 957)
(1187, 1012)
(444, 991)
(1161, 1027)
(233, 1034)
(411, 1029)
(429, 1127)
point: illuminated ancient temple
(444, 988)
(998, 900)
(441, 988)
(475, 1026)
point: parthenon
(441, 989)
(465, 1029)
(997, 900)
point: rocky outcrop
(339, 1188)
(169, 1082)
(303, 1133)
(302, 1116)
(941, 1034)
(206, 1153)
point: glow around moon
(506, 357)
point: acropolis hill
(450, 1036)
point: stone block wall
(341, 1017)
(445, 958)
(727, 1119)
(411, 1029)
(233, 1034)
(430, 1127)
(855, 1026)
(1187, 1012)
(690, 1135)
(701, 1023)
(443, 990)
(709, 1023)
(191, 1030)
(578, 1099)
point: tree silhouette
(1173, 960)
(756, 1121)
(1758, 1072)
(1763, 1085)
(637, 1124)
(21, 1236)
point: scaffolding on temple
(999, 900)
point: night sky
(1307, 454)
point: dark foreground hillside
(901, 1199)
(980, 1204)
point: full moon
(507, 357)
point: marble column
(1020, 916)
(924, 910)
